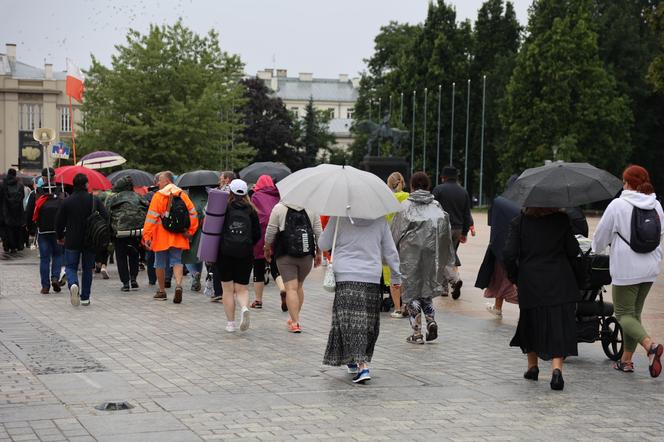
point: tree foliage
(169, 101)
(561, 102)
(269, 126)
(656, 68)
(314, 135)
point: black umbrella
(26, 180)
(563, 185)
(198, 178)
(252, 172)
(139, 177)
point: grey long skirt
(355, 323)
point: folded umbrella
(139, 177)
(563, 185)
(198, 178)
(334, 190)
(278, 171)
(96, 181)
(101, 159)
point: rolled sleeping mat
(215, 213)
(132, 233)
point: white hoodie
(627, 267)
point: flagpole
(465, 160)
(412, 145)
(73, 131)
(440, 88)
(424, 141)
(482, 139)
(452, 128)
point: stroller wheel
(612, 338)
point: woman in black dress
(538, 254)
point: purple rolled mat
(213, 224)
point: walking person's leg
(121, 255)
(72, 258)
(175, 256)
(259, 282)
(133, 255)
(56, 263)
(45, 254)
(152, 275)
(87, 267)
(161, 262)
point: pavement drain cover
(114, 406)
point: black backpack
(236, 240)
(645, 231)
(97, 230)
(297, 239)
(176, 219)
(15, 198)
(48, 212)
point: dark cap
(450, 172)
(48, 171)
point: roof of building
(21, 71)
(340, 126)
(290, 88)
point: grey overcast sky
(326, 37)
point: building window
(349, 112)
(31, 116)
(65, 120)
(330, 112)
(295, 112)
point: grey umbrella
(139, 177)
(198, 178)
(563, 185)
(278, 171)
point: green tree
(656, 68)
(169, 101)
(268, 125)
(314, 134)
(560, 101)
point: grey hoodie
(362, 247)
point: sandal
(625, 367)
(257, 304)
(415, 339)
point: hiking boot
(73, 295)
(134, 284)
(125, 288)
(160, 296)
(177, 298)
(196, 283)
(56, 285)
(456, 289)
(45, 291)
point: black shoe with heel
(532, 373)
(557, 382)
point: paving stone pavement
(190, 380)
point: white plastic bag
(329, 281)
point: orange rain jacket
(153, 231)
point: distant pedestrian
(71, 230)
(127, 211)
(11, 201)
(538, 258)
(455, 201)
(292, 237)
(633, 271)
(361, 248)
(396, 183)
(225, 178)
(492, 275)
(241, 233)
(170, 222)
(423, 238)
(41, 211)
(264, 198)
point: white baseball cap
(238, 187)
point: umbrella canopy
(139, 177)
(26, 180)
(278, 171)
(563, 185)
(334, 190)
(101, 159)
(198, 178)
(96, 181)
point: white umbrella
(101, 159)
(334, 190)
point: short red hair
(638, 179)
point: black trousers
(13, 239)
(126, 255)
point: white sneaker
(73, 295)
(494, 311)
(244, 319)
(230, 327)
(104, 273)
(397, 314)
(85, 302)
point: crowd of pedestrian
(411, 256)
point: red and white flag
(74, 81)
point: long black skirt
(550, 332)
(355, 323)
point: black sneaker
(167, 284)
(55, 283)
(125, 288)
(432, 331)
(134, 284)
(456, 289)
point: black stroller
(594, 317)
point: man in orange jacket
(167, 245)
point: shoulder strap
(334, 241)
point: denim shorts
(167, 258)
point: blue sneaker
(352, 368)
(362, 376)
